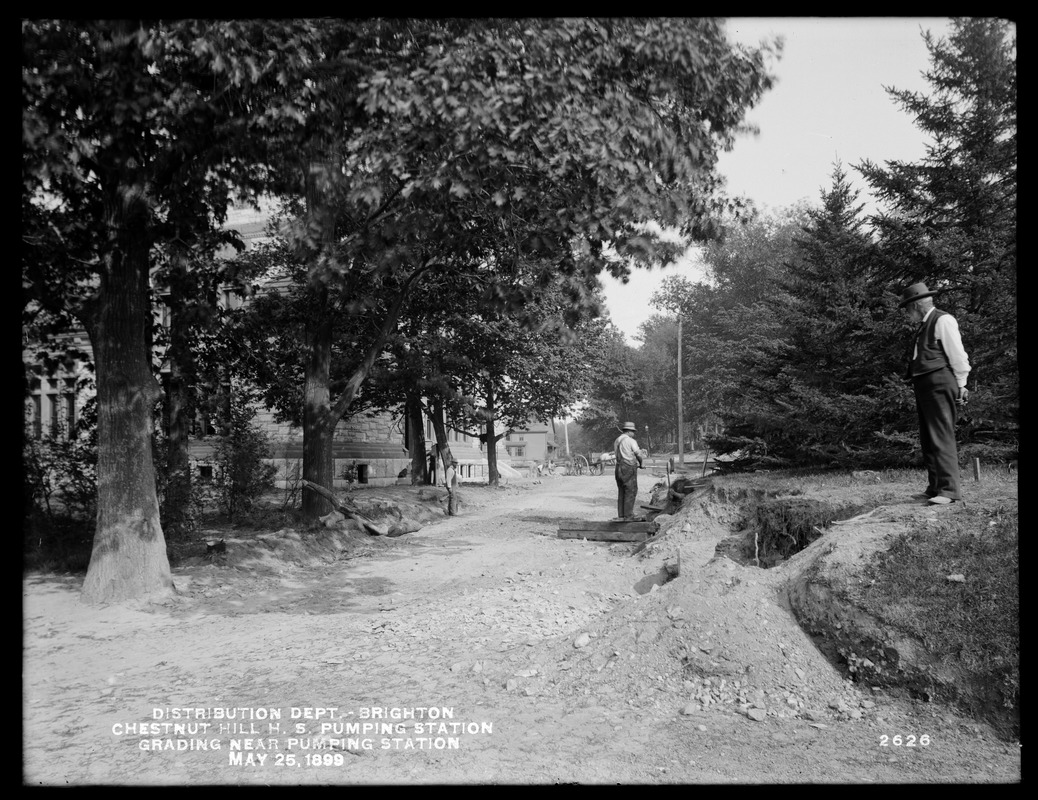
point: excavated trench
(766, 530)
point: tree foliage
(795, 340)
(133, 134)
(950, 219)
(408, 146)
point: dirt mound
(777, 636)
(718, 634)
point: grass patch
(975, 620)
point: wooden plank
(606, 525)
(604, 536)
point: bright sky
(828, 104)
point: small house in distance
(530, 446)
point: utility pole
(565, 430)
(681, 415)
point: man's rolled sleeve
(947, 331)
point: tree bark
(416, 440)
(494, 475)
(443, 448)
(129, 558)
(318, 419)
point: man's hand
(964, 396)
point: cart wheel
(580, 466)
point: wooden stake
(976, 469)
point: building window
(52, 400)
(70, 405)
(520, 452)
(37, 417)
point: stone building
(372, 444)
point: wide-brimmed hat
(628, 426)
(917, 291)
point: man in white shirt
(938, 370)
(628, 461)
(450, 480)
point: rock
(477, 667)
(511, 684)
(458, 667)
(663, 521)
(757, 714)
(333, 519)
(526, 673)
(582, 641)
(651, 581)
(701, 728)
(854, 713)
(957, 578)
(404, 526)
(690, 709)
(814, 714)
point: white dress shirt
(947, 332)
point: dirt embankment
(548, 647)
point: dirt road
(480, 649)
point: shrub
(349, 474)
(243, 475)
(59, 501)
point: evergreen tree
(950, 219)
(732, 344)
(831, 391)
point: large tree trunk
(416, 440)
(318, 420)
(495, 476)
(443, 448)
(129, 558)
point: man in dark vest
(628, 462)
(938, 368)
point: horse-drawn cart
(602, 461)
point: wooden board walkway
(606, 530)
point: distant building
(530, 446)
(374, 444)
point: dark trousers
(627, 488)
(935, 395)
